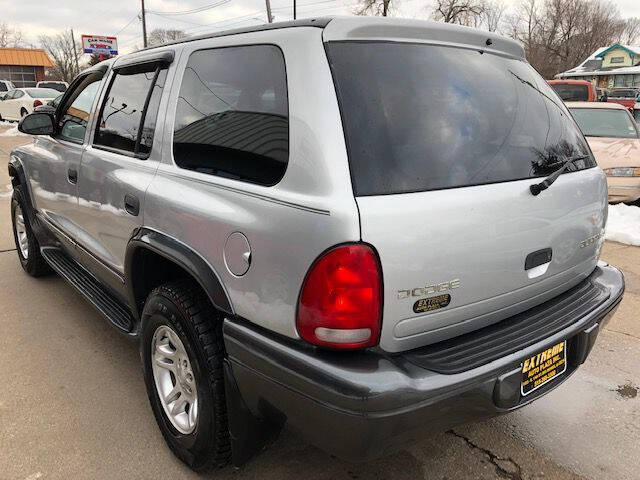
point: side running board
(106, 303)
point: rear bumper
(362, 405)
(623, 189)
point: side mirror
(37, 123)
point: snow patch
(13, 132)
(623, 224)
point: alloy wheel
(21, 232)
(174, 379)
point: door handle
(72, 175)
(132, 204)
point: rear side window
(130, 109)
(571, 93)
(232, 115)
(3, 87)
(422, 117)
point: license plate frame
(543, 367)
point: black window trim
(175, 111)
(75, 84)
(160, 65)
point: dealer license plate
(543, 367)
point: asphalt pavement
(73, 403)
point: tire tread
(207, 325)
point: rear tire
(27, 245)
(23, 112)
(181, 309)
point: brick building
(23, 66)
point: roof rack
(319, 22)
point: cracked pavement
(74, 403)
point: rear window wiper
(536, 188)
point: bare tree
(374, 7)
(159, 36)
(96, 58)
(10, 37)
(560, 34)
(631, 33)
(63, 51)
(463, 12)
(492, 14)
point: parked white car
(55, 84)
(21, 101)
(5, 86)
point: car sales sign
(100, 44)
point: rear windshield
(421, 117)
(571, 93)
(624, 93)
(42, 92)
(60, 87)
(602, 122)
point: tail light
(340, 303)
(36, 103)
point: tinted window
(122, 111)
(42, 92)
(420, 117)
(73, 122)
(3, 87)
(623, 93)
(60, 87)
(571, 93)
(597, 122)
(232, 114)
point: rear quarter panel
(287, 225)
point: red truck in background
(627, 96)
(574, 90)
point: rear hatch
(444, 143)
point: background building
(23, 66)
(614, 66)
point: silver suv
(367, 228)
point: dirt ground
(73, 403)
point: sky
(120, 17)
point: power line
(248, 16)
(128, 23)
(177, 19)
(195, 10)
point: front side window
(73, 121)
(128, 115)
(604, 122)
(3, 87)
(232, 117)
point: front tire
(182, 351)
(27, 245)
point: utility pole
(144, 26)
(294, 9)
(269, 16)
(75, 51)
